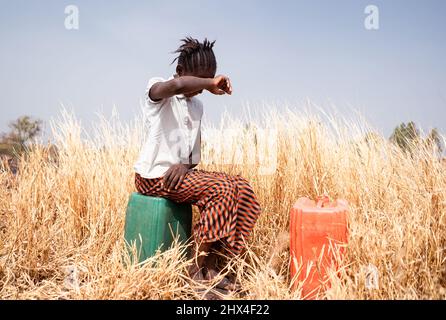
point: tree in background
(407, 136)
(22, 131)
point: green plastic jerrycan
(152, 223)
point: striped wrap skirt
(227, 204)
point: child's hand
(174, 176)
(220, 85)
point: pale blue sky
(274, 51)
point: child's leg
(196, 269)
(247, 215)
(248, 211)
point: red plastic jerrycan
(316, 228)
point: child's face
(202, 74)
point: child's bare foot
(226, 283)
(196, 273)
(213, 294)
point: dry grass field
(62, 221)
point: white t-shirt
(173, 133)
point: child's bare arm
(188, 84)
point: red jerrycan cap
(322, 201)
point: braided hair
(195, 57)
